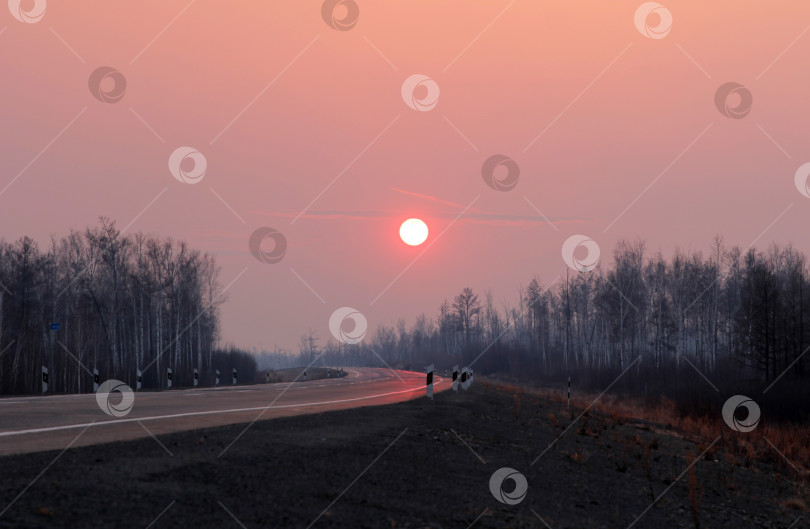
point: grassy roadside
(783, 444)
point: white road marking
(198, 413)
(145, 394)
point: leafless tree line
(122, 303)
(133, 302)
(745, 305)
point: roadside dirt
(415, 464)
(297, 374)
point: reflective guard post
(429, 381)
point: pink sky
(617, 112)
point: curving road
(33, 424)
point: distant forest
(128, 302)
(121, 303)
(732, 310)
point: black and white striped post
(216, 380)
(267, 376)
(429, 381)
(196, 377)
(569, 393)
(234, 376)
(95, 380)
(138, 379)
(466, 378)
(169, 377)
(44, 380)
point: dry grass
(742, 449)
(796, 504)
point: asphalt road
(33, 424)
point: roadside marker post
(570, 409)
(44, 380)
(196, 377)
(138, 379)
(466, 378)
(234, 376)
(455, 378)
(95, 380)
(216, 379)
(429, 381)
(267, 377)
(169, 377)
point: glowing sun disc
(413, 232)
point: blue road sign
(54, 326)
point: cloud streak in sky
(494, 219)
(473, 215)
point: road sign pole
(51, 372)
(50, 360)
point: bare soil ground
(297, 374)
(415, 464)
